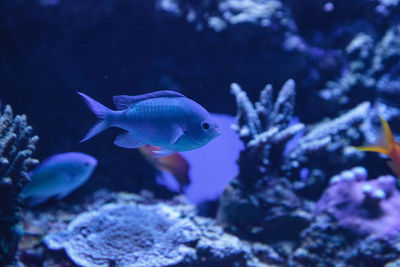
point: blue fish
(58, 176)
(165, 119)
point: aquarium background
(334, 68)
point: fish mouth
(217, 132)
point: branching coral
(334, 135)
(276, 142)
(17, 144)
(278, 151)
(372, 70)
(262, 127)
(217, 15)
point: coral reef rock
(325, 243)
(17, 144)
(270, 213)
(134, 233)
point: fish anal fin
(127, 140)
(125, 101)
(395, 168)
(163, 152)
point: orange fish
(386, 145)
(174, 164)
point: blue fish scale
(152, 120)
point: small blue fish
(58, 176)
(163, 119)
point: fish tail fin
(385, 142)
(101, 112)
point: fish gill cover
(302, 196)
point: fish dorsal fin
(125, 101)
(386, 138)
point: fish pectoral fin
(176, 133)
(127, 140)
(163, 152)
(395, 168)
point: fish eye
(86, 164)
(205, 126)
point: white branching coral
(17, 144)
(276, 142)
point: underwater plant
(17, 144)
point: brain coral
(127, 235)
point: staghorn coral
(371, 73)
(267, 194)
(263, 126)
(220, 14)
(17, 144)
(274, 137)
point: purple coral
(363, 206)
